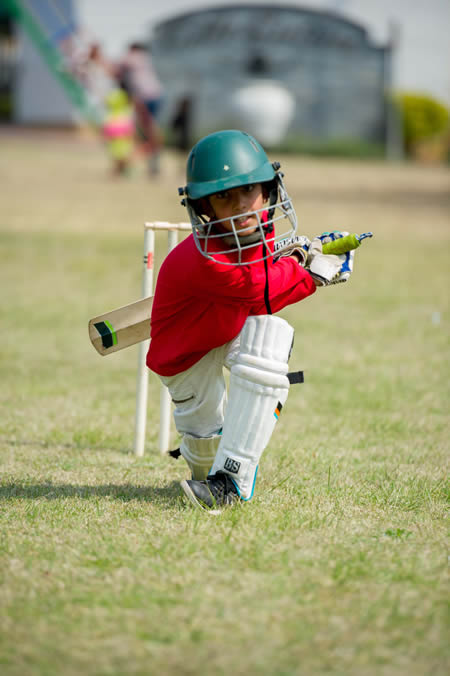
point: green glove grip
(344, 244)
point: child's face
(236, 201)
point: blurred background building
(275, 71)
(320, 68)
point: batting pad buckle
(296, 377)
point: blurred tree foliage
(423, 119)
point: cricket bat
(120, 328)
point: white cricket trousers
(200, 393)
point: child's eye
(222, 195)
(249, 187)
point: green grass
(339, 564)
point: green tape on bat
(344, 244)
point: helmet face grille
(235, 247)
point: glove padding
(298, 246)
(328, 268)
(324, 268)
(346, 258)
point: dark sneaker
(218, 490)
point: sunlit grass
(339, 563)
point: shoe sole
(194, 500)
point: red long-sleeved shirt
(200, 304)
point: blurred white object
(264, 108)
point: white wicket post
(142, 375)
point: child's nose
(240, 200)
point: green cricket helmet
(220, 162)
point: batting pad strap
(296, 377)
(258, 390)
(199, 453)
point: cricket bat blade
(120, 328)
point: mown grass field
(339, 565)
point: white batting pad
(199, 453)
(258, 390)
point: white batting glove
(346, 259)
(297, 245)
(322, 267)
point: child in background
(182, 124)
(213, 308)
(118, 130)
(138, 76)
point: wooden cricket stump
(172, 230)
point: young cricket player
(215, 302)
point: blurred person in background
(118, 130)
(136, 75)
(181, 128)
(96, 74)
(181, 124)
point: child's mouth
(243, 222)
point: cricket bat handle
(344, 244)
